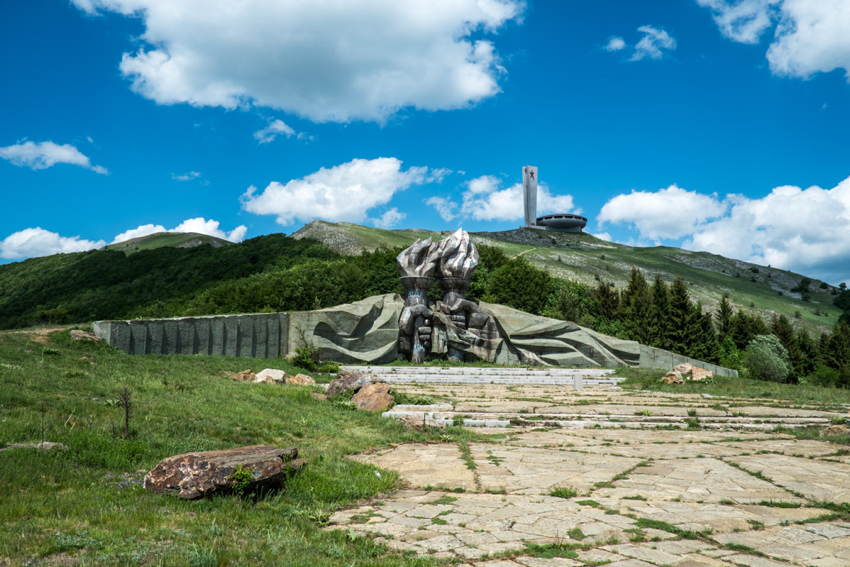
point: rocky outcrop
(300, 380)
(271, 376)
(195, 475)
(78, 335)
(373, 397)
(685, 372)
(348, 381)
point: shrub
(824, 376)
(766, 359)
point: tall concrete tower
(529, 188)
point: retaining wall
(263, 335)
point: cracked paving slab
(816, 545)
(474, 525)
(822, 481)
(696, 480)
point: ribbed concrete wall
(651, 357)
(263, 335)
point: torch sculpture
(417, 265)
(458, 259)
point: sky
(714, 125)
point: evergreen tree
(808, 352)
(681, 310)
(837, 353)
(636, 306)
(607, 301)
(659, 323)
(724, 317)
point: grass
(64, 503)
(563, 492)
(648, 379)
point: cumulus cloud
(615, 43)
(34, 242)
(274, 129)
(804, 230)
(345, 192)
(37, 241)
(742, 20)
(389, 219)
(446, 208)
(42, 155)
(334, 60)
(484, 200)
(188, 176)
(810, 36)
(667, 213)
(653, 43)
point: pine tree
(659, 323)
(837, 353)
(635, 307)
(681, 310)
(607, 301)
(808, 352)
(724, 316)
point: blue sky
(711, 124)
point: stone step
(480, 371)
(436, 415)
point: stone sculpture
(437, 328)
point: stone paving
(531, 496)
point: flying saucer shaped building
(561, 222)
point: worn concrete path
(545, 496)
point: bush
(520, 285)
(824, 376)
(766, 359)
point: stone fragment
(836, 430)
(244, 376)
(78, 335)
(194, 475)
(673, 377)
(683, 368)
(270, 376)
(43, 446)
(373, 397)
(701, 374)
(300, 380)
(348, 380)
(318, 396)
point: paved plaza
(675, 486)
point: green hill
(584, 258)
(168, 239)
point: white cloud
(199, 225)
(743, 20)
(188, 176)
(345, 192)
(653, 43)
(810, 36)
(445, 207)
(334, 60)
(799, 229)
(667, 213)
(274, 129)
(42, 155)
(615, 43)
(483, 200)
(32, 242)
(389, 219)
(804, 230)
(139, 231)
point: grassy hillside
(107, 283)
(168, 239)
(584, 258)
(84, 505)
